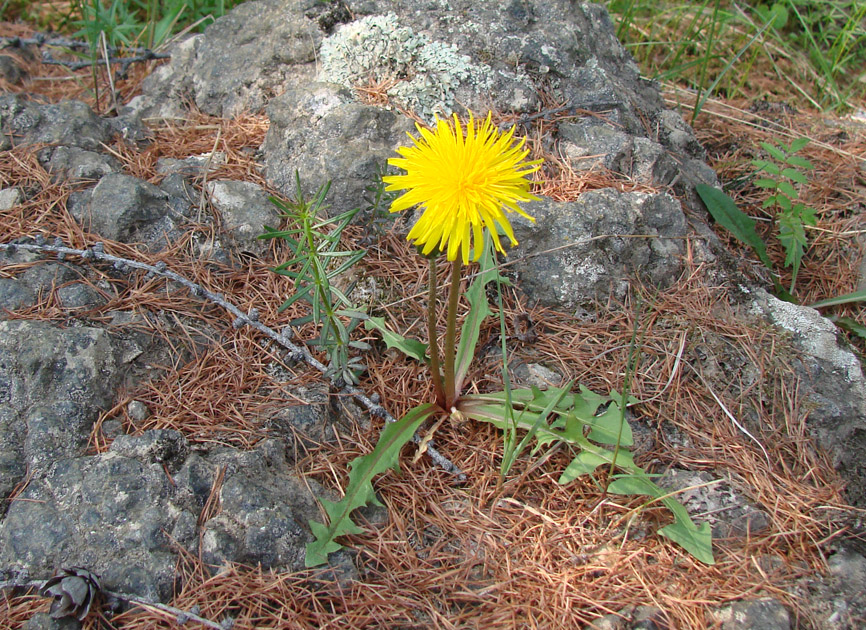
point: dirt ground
(532, 553)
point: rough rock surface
(53, 384)
(610, 237)
(122, 513)
(70, 123)
(72, 163)
(461, 55)
(321, 132)
(769, 614)
(121, 205)
(244, 209)
(832, 382)
(839, 598)
(245, 58)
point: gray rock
(160, 446)
(9, 198)
(25, 290)
(179, 188)
(648, 618)
(10, 71)
(108, 513)
(592, 143)
(837, 601)
(79, 295)
(435, 76)
(609, 622)
(535, 375)
(43, 621)
(760, 614)
(831, 380)
(68, 123)
(195, 165)
(15, 295)
(264, 511)
(72, 163)
(122, 206)
(246, 57)
(138, 411)
(600, 257)
(49, 275)
(306, 419)
(244, 210)
(119, 514)
(324, 134)
(53, 383)
(461, 55)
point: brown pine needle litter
(446, 555)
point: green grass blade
(710, 90)
(850, 325)
(848, 298)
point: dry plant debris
(448, 556)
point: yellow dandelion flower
(464, 183)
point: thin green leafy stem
(320, 260)
(633, 364)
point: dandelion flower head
(464, 183)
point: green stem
(451, 335)
(432, 337)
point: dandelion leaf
(479, 310)
(611, 427)
(583, 464)
(696, 539)
(410, 347)
(360, 490)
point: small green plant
(116, 21)
(792, 217)
(463, 183)
(147, 23)
(318, 259)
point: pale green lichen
(428, 73)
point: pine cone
(73, 590)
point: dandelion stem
(432, 337)
(451, 334)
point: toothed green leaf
(696, 539)
(360, 490)
(410, 347)
(556, 415)
(584, 464)
(796, 160)
(794, 175)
